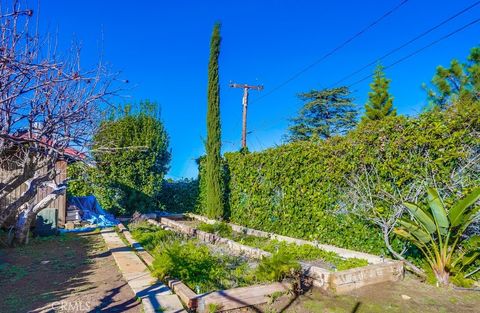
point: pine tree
(461, 81)
(380, 101)
(326, 113)
(213, 170)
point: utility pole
(245, 105)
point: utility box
(46, 223)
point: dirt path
(408, 295)
(70, 273)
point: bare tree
(367, 197)
(362, 198)
(48, 110)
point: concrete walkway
(155, 296)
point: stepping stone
(166, 303)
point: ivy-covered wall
(297, 189)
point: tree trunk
(416, 270)
(27, 216)
(32, 188)
(442, 276)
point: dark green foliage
(131, 154)
(461, 81)
(277, 267)
(220, 228)
(179, 196)
(326, 113)
(297, 189)
(80, 183)
(191, 261)
(150, 236)
(213, 171)
(380, 102)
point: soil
(320, 263)
(408, 295)
(67, 273)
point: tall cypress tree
(213, 170)
(380, 101)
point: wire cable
(423, 34)
(333, 51)
(420, 50)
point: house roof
(69, 153)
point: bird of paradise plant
(438, 233)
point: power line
(420, 50)
(405, 57)
(423, 34)
(333, 51)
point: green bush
(278, 266)
(179, 196)
(297, 189)
(191, 261)
(220, 228)
(150, 236)
(131, 154)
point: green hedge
(297, 189)
(179, 196)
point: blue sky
(162, 48)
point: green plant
(213, 307)
(150, 236)
(276, 267)
(179, 196)
(380, 101)
(275, 296)
(220, 228)
(12, 273)
(190, 261)
(213, 168)
(438, 234)
(131, 155)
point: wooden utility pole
(245, 105)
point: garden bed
(203, 275)
(332, 269)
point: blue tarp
(92, 213)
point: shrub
(132, 155)
(278, 266)
(220, 228)
(150, 236)
(179, 196)
(190, 261)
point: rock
(405, 297)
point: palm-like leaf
(458, 211)
(405, 234)
(415, 230)
(438, 210)
(447, 253)
(423, 217)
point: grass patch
(220, 228)
(12, 273)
